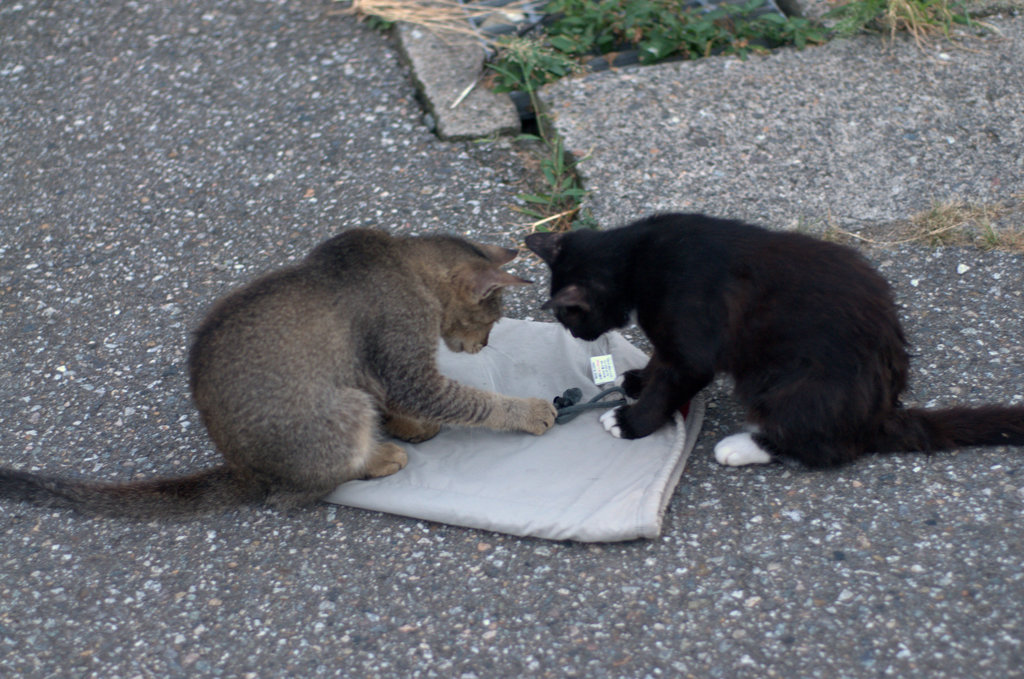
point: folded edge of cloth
(575, 482)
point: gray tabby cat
(296, 373)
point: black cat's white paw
(632, 382)
(739, 450)
(610, 422)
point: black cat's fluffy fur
(808, 330)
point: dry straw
(954, 222)
(444, 18)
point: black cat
(807, 329)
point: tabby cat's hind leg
(409, 428)
(386, 459)
(307, 454)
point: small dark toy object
(568, 404)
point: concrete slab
(446, 70)
(855, 132)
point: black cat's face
(579, 312)
(582, 297)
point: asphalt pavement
(155, 154)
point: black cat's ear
(569, 296)
(546, 245)
(488, 280)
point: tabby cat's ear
(546, 245)
(483, 282)
(569, 296)
(498, 255)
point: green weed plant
(663, 29)
(659, 29)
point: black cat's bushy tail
(199, 493)
(929, 430)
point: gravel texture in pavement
(155, 154)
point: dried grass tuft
(957, 223)
(444, 18)
(921, 21)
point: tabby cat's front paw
(540, 415)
